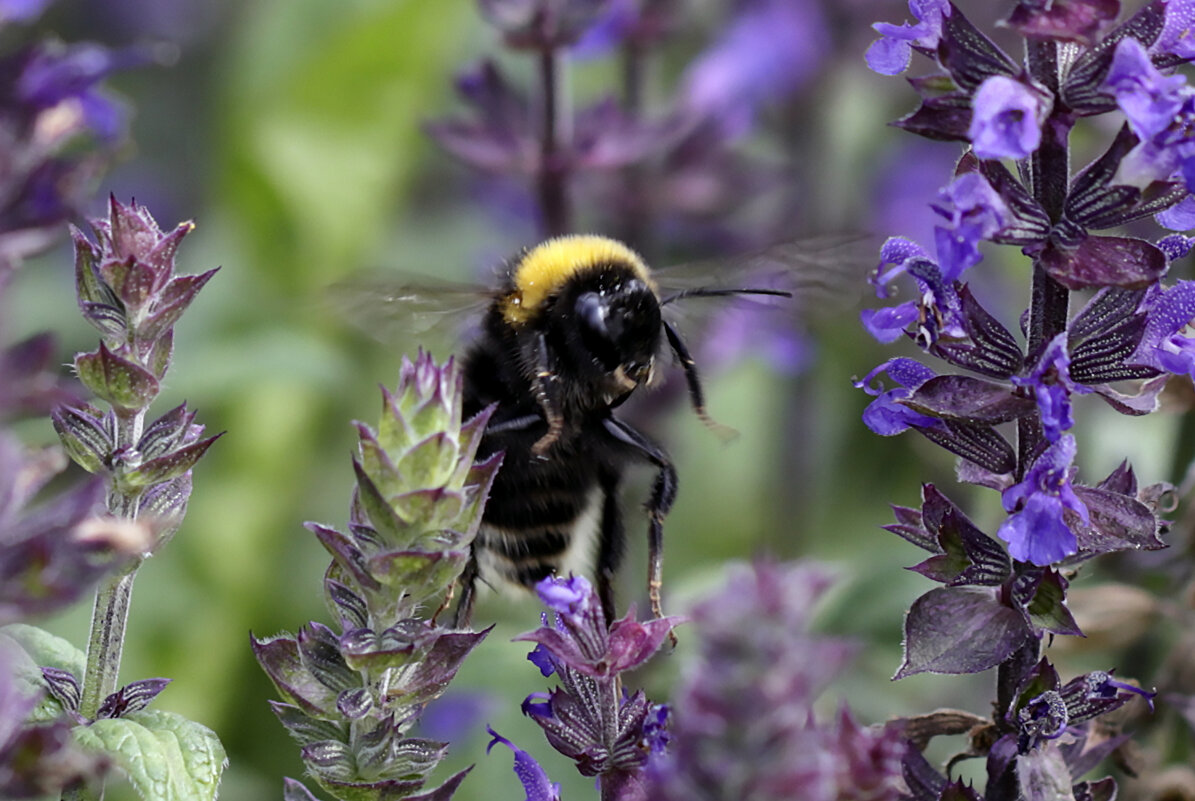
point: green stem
(109, 616)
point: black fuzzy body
(544, 507)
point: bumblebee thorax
(546, 268)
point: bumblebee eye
(591, 314)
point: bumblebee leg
(663, 494)
(696, 395)
(547, 395)
(610, 546)
(468, 582)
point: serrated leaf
(166, 756)
(960, 630)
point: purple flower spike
(1006, 119)
(891, 54)
(1149, 99)
(536, 783)
(1037, 532)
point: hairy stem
(110, 614)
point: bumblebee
(575, 329)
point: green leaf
(39, 648)
(166, 756)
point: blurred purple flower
(536, 783)
(41, 760)
(1177, 31)
(50, 98)
(21, 10)
(768, 49)
(29, 382)
(741, 332)
(455, 715)
(1037, 531)
(1006, 120)
(743, 722)
(906, 183)
(891, 54)
(52, 555)
(542, 24)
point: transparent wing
(398, 310)
(825, 276)
(826, 272)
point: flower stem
(554, 137)
(1049, 178)
(110, 615)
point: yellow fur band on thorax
(546, 267)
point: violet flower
(891, 54)
(1036, 530)
(589, 717)
(995, 605)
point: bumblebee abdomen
(510, 553)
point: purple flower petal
(1177, 35)
(536, 783)
(888, 324)
(1179, 217)
(891, 54)
(1006, 119)
(568, 596)
(1148, 98)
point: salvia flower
(996, 604)
(1036, 530)
(589, 718)
(743, 724)
(1052, 387)
(351, 695)
(1006, 118)
(891, 54)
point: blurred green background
(290, 131)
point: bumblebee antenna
(721, 293)
(696, 395)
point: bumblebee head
(620, 328)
